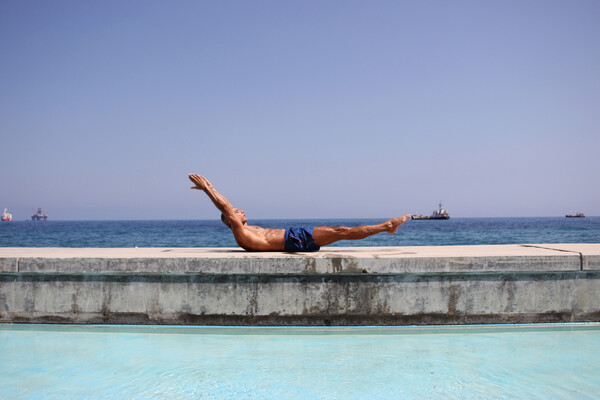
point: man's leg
(324, 235)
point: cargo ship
(578, 215)
(39, 215)
(440, 213)
(6, 216)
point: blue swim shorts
(299, 238)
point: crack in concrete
(561, 250)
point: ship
(6, 216)
(440, 213)
(578, 215)
(39, 215)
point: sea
(212, 233)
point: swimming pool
(147, 362)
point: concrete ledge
(336, 286)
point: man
(255, 238)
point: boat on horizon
(39, 215)
(440, 213)
(6, 216)
(578, 215)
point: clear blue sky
(300, 109)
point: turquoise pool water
(489, 362)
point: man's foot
(396, 222)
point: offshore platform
(39, 215)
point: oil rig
(39, 215)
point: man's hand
(217, 198)
(200, 182)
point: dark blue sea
(200, 233)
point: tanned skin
(255, 238)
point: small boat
(578, 215)
(39, 215)
(6, 216)
(440, 213)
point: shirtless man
(255, 238)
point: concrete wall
(336, 286)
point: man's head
(239, 214)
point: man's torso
(265, 239)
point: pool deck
(335, 286)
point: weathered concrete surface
(590, 257)
(344, 286)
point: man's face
(241, 215)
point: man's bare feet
(396, 222)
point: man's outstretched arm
(217, 198)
